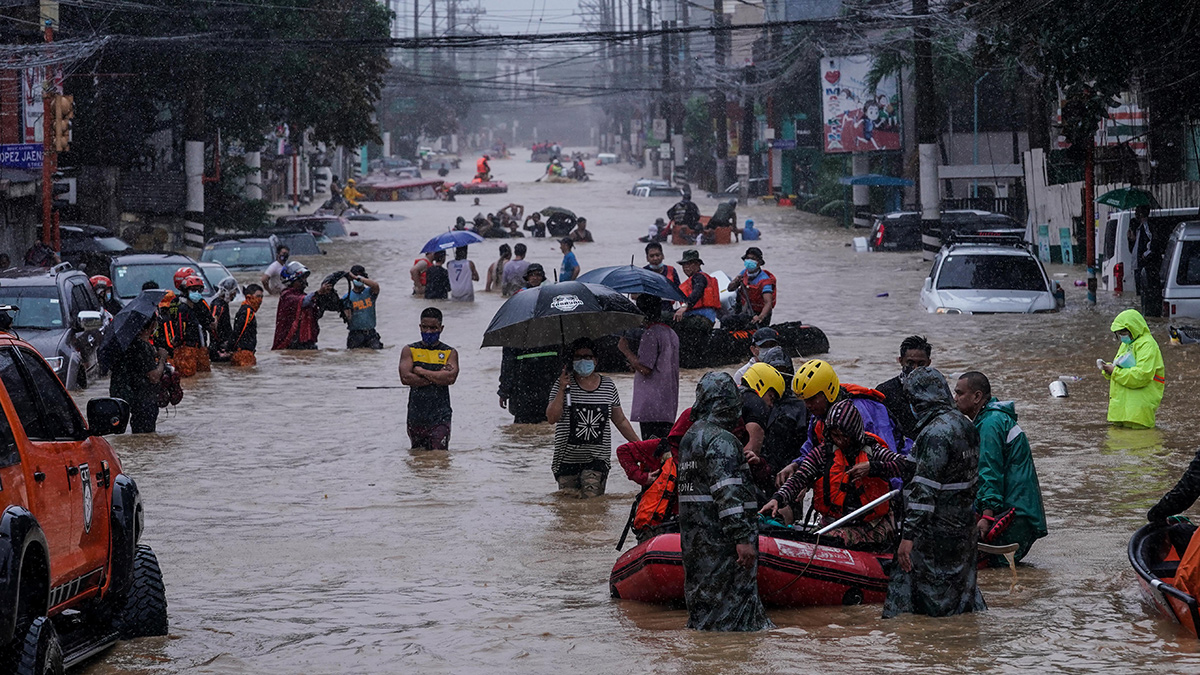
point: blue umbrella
(630, 279)
(451, 239)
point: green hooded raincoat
(717, 511)
(1136, 385)
(1007, 477)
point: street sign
(783, 144)
(21, 155)
(743, 165)
(660, 128)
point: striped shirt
(583, 434)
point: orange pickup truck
(73, 577)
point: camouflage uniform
(940, 519)
(716, 513)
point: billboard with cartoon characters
(858, 118)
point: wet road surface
(299, 534)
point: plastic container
(1058, 389)
(1070, 378)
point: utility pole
(927, 133)
(721, 45)
(1089, 214)
(416, 36)
(451, 26)
(49, 19)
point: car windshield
(38, 306)
(330, 227)
(239, 254)
(299, 243)
(214, 273)
(128, 279)
(991, 272)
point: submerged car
(988, 275)
(59, 315)
(901, 231)
(1181, 272)
(240, 253)
(130, 272)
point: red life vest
(481, 165)
(422, 275)
(671, 275)
(836, 495)
(754, 291)
(710, 299)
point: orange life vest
(830, 493)
(754, 292)
(656, 503)
(421, 276)
(710, 299)
(481, 165)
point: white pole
(193, 163)
(254, 178)
(857, 512)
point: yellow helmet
(762, 377)
(350, 182)
(816, 377)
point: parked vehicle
(76, 577)
(90, 248)
(321, 226)
(654, 191)
(215, 272)
(59, 315)
(758, 188)
(240, 253)
(987, 275)
(299, 241)
(1116, 251)
(901, 231)
(1181, 272)
(129, 272)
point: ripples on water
(299, 534)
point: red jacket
(640, 459)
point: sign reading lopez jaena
(21, 155)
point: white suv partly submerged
(987, 275)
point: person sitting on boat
(756, 288)
(1009, 502)
(818, 385)
(761, 388)
(850, 470)
(658, 232)
(696, 316)
(760, 341)
(717, 524)
(483, 170)
(1181, 534)
(686, 213)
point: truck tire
(145, 611)
(39, 652)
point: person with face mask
(103, 288)
(245, 328)
(915, 352)
(272, 277)
(429, 366)
(755, 287)
(654, 263)
(192, 324)
(1136, 376)
(219, 349)
(358, 308)
(582, 404)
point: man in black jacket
(914, 353)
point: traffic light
(64, 112)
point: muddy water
(299, 534)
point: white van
(1112, 242)
(1181, 272)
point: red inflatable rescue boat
(790, 573)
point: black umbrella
(558, 314)
(129, 322)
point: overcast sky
(504, 16)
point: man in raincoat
(934, 569)
(1136, 375)
(717, 520)
(1009, 501)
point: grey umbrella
(559, 314)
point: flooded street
(299, 534)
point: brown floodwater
(298, 533)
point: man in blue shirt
(570, 266)
(358, 308)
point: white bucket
(1058, 389)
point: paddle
(858, 512)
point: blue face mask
(751, 265)
(584, 367)
(195, 297)
(358, 285)
(431, 338)
(659, 266)
(1125, 339)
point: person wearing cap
(655, 371)
(527, 375)
(695, 318)
(358, 308)
(762, 340)
(570, 265)
(755, 287)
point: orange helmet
(181, 276)
(100, 281)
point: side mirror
(90, 320)
(107, 416)
(928, 283)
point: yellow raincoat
(1136, 385)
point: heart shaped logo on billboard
(832, 76)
